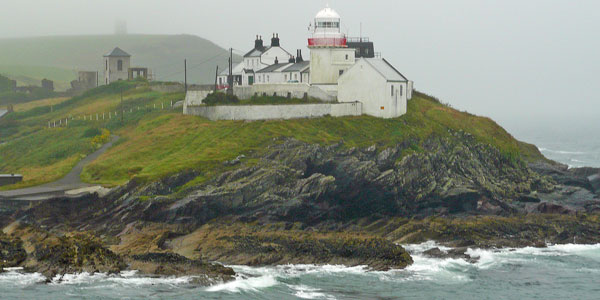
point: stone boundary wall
(168, 88)
(294, 90)
(194, 98)
(275, 112)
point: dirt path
(71, 181)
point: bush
(101, 138)
(220, 99)
(91, 132)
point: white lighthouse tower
(330, 56)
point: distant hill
(28, 60)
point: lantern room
(326, 31)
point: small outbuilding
(382, 90)
(116, 65)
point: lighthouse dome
(327, 13)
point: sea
(556, 272)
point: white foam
(286, 271)
(561, 151)
(15, 278)
(243, 283)
(126, 278)
(306, 292)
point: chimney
(258, 43)
(299, 56)
(276, 60)
(292, 60)
(275, 40)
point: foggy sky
(513, 60)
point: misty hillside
(31, 59)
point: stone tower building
(116, 66)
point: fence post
(171, 103)
(54, 124)
(67, 122)
(162, 105)
(154, 105)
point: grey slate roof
(297, 67)
(254, 53)
(117, 52)
(273, 68)
(386, 69)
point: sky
(527, 64)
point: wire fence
(104, 116)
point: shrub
(220, 99)
(101, 138)
(91, 132)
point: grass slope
(155, 143)
(58, 57)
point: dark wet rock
(435, 253)
(171, 264)
(595, 183)
(552, 208)
(531, 198)
(12, 253)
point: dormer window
(119, 65)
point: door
(250, 80)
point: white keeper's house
(340, 69)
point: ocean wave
(126, 278)
(457, 270)
(14, 278)
(561, 151)
(307, 292)
(244, 283)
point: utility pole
(230, 77)
(97, 74)
(216, 76)
(185, 76)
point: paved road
(71, 181)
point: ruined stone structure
(48, 85)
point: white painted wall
(326, 64)
(268, 57)
(111, 72)
(194, 98)
(274, 112)
(297, 90)
(363, 83)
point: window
(268, 79)
(295, 76)
(346, 56)
(401, 90)
(392, 91)
(120, 65)
(341, 72)
(328, 24)
(285, 76)
(106, 64)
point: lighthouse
(330, 56)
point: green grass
(170, 143)
(156, 143)
(42, 154)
